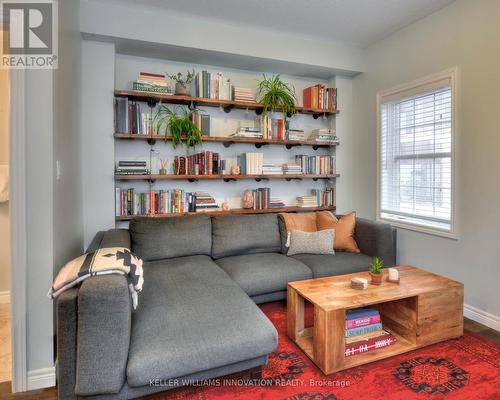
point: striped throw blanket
(105, 261)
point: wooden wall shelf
(152, 98)
(225, 178)
(228, 212)
(228, 140)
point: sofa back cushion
(245, 234)
(161, 238)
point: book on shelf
(272, 169)
(317, 165)
(324, 198)
(132, 117)
(261, 197)
(201, 163)
(320, 97)
(295, 134)
(131, 202)
(324, 135)
(202, 121)
(271, 128)
(204, 202)
(242, 94)
(250, 163)
(383, 339)
(151, 82)
(212, 85)
(363, 329)
(307, 201)
(291, 169)
(131, 167)
(276, 202)
(248, 132)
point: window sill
(420, 228)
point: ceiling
(352, 22)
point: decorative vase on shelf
(183, 88)
(247, 199)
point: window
(416, 154)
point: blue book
(363, 330)
(361, 313)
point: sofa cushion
(264, 273)
(245, 234)
(161, 238)
(341, 263)
(193, 317)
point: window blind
(416, 157)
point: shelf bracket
(290, 145)
(290, 179)
(228, 108)
(259, 145)
(151, 142)
(152, 103)
(259, 111)
(316, 116)
(151, 181)
(227, 144)
(229, 179)
(315, 147)
(192, 180)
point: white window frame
(452, 75)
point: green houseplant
(180, 127)
(182, 84)
(376, 271)
(274, 94)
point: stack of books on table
(307, 201)
(251, 163)
(204, 202)
(132, 168)
(292, 169)
(324, 135)
(276, 203)
(295, 134)
(364, 332)
(242, 94)
(272, 169)
(149, 82)
(248, 132)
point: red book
(152, 202)
(307, 97)
(362, 321)
(280, 129)
(369, 344)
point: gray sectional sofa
(197, 316)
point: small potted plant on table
(376, 271)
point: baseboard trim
(487, 319)
(4, 297)
(41, 378)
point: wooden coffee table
(424, 308)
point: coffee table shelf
(423, 309)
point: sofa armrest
(103, 335)
(376, 239)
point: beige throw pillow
(299, 242)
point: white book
(118, 202)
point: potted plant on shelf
(277, 95)
(182, 84)
(179, 127)
(376, 271)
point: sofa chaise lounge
(197, 316)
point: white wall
(4, 160)
(463, 34)
(98, 83)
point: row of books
(364, 332)
(261, 198)
(132, 168)
(132, 117)
(324, 135)
(320, 97)
(271, 128)
(150, 82)
(242, 94)
(251, 163)
(248, 132)
(212, 85)
(131, 202)
(202, 163)
(202, 121)
(324, 198)
(316, 165)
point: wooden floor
(5, 351)
(51, 393)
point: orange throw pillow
(305, 222)
(344, 230)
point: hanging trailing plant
(180, 127)
(277, 95)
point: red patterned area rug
(465, 368)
